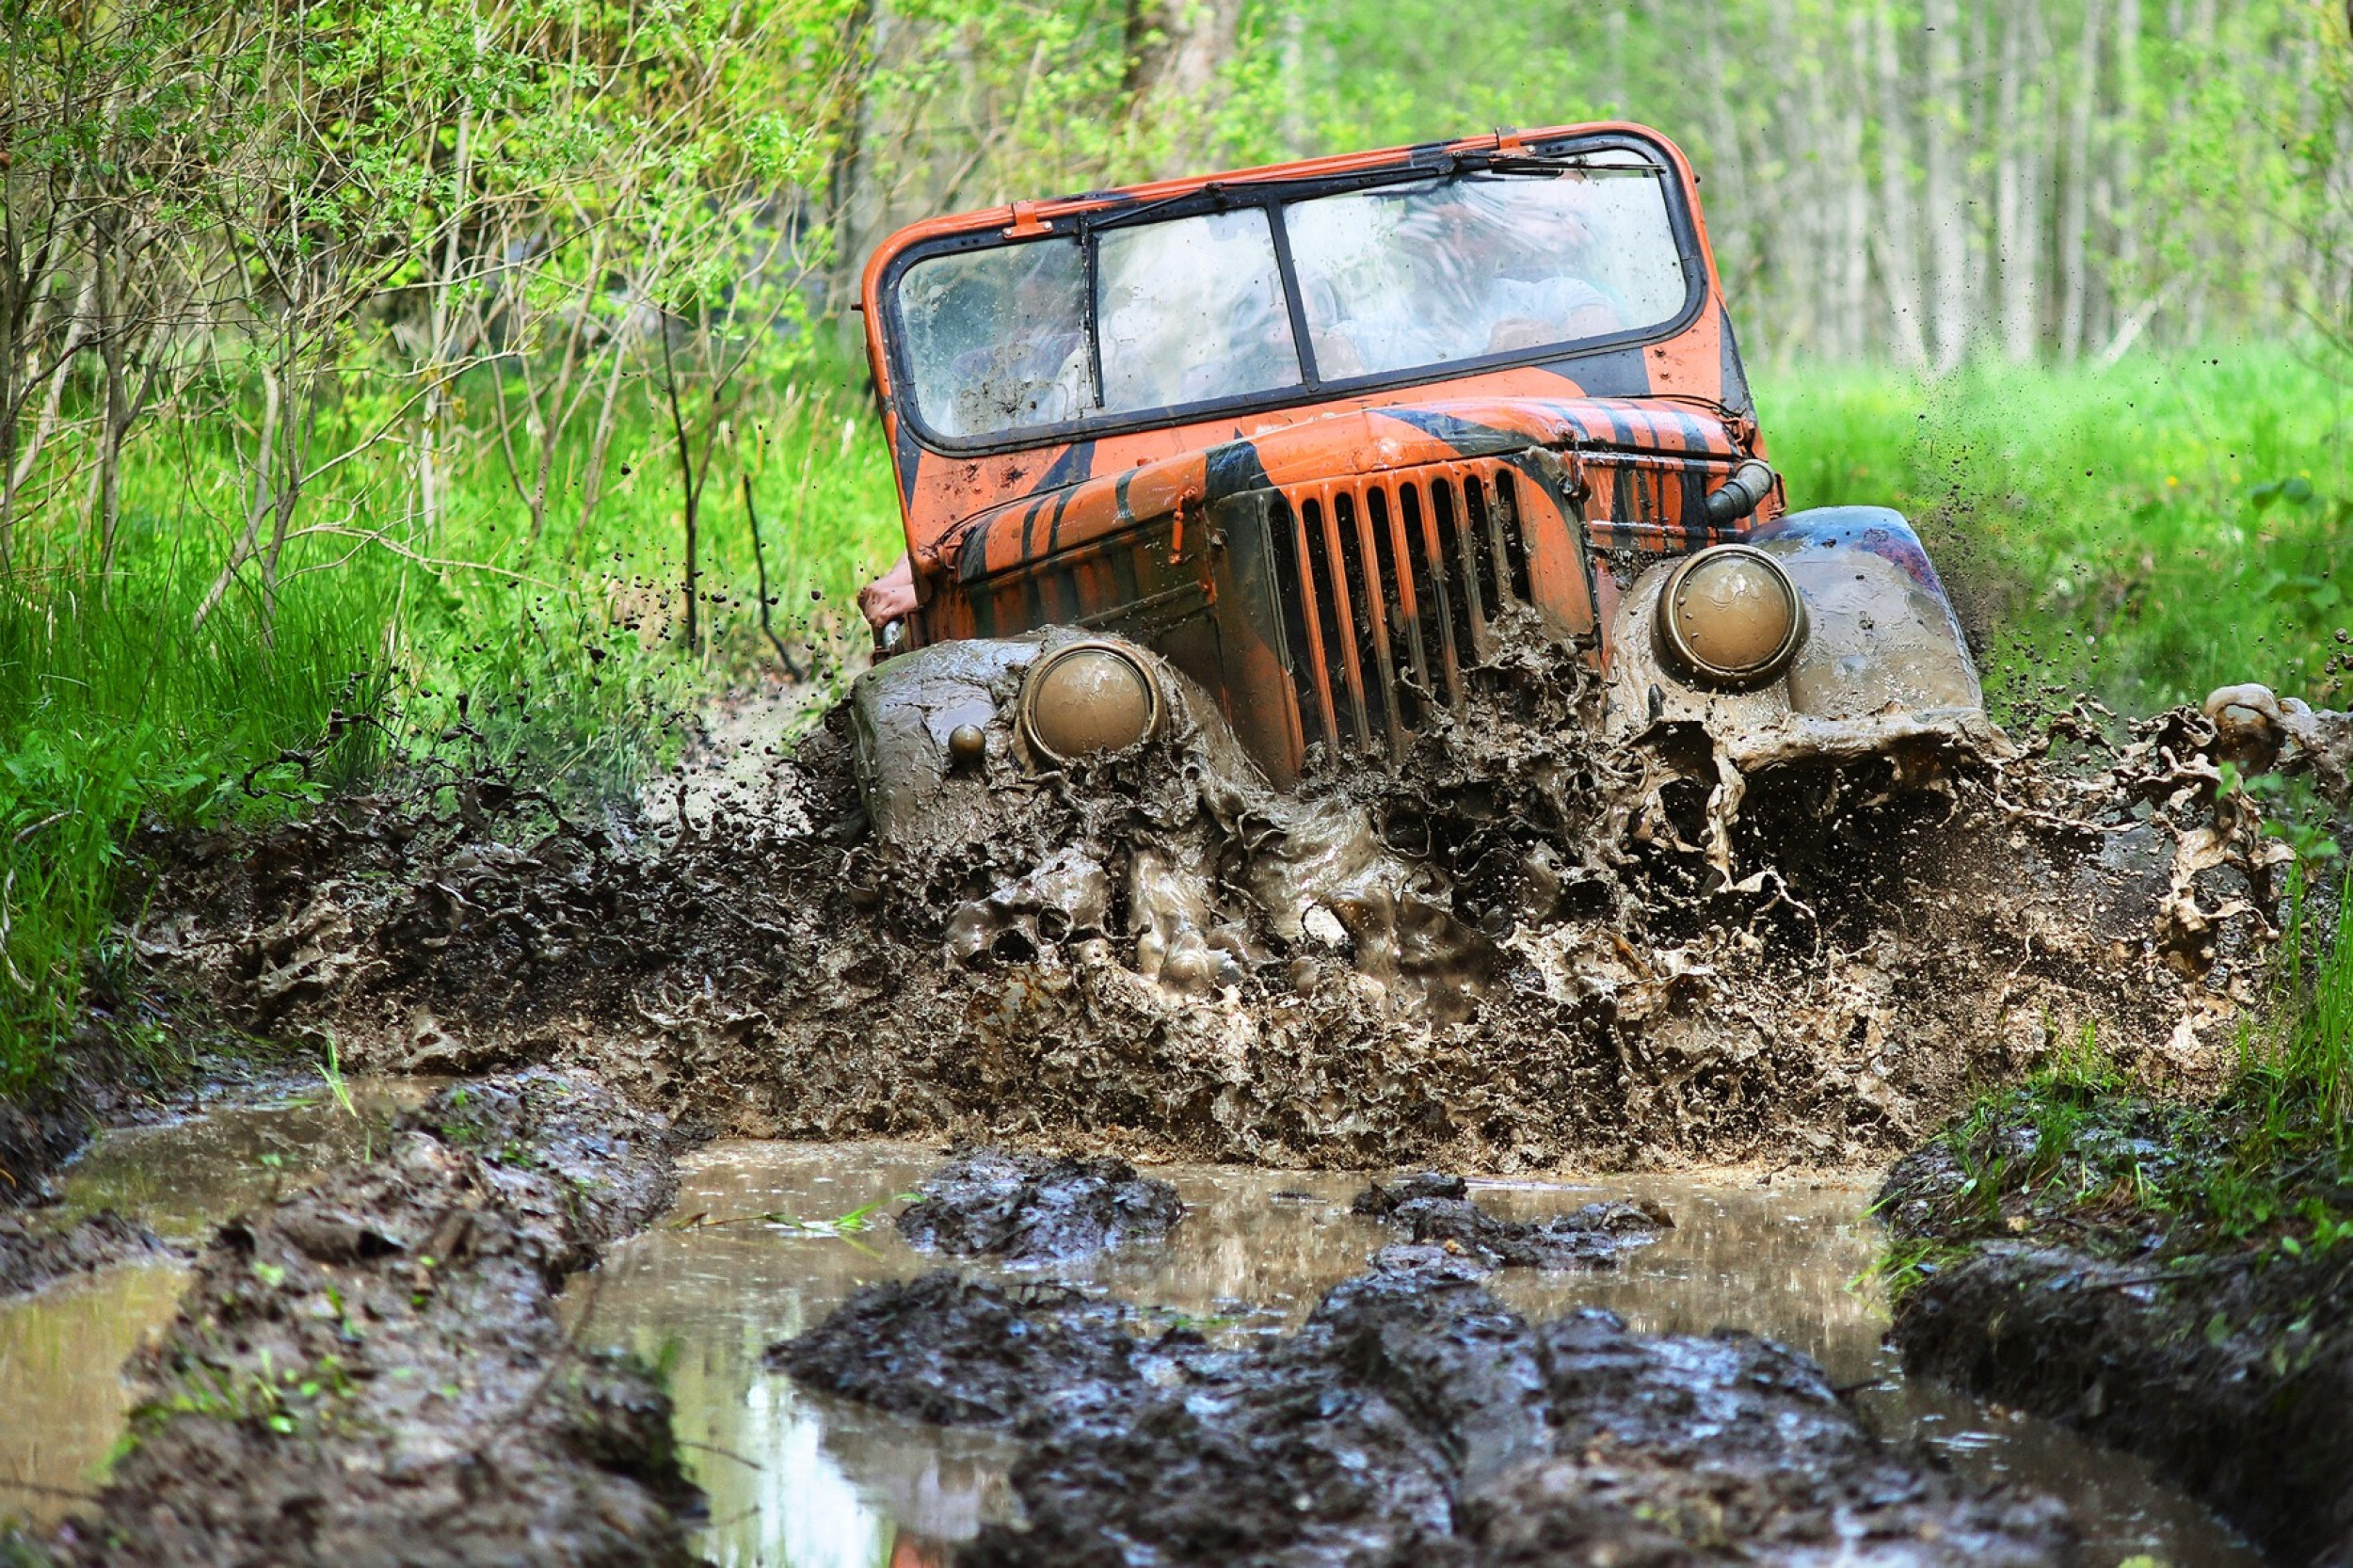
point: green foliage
(285, 1400)
(558, 657)
(2146, 533)
(2266, 1168)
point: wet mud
(33, 1254)
(1436, 1210)
(2232, 1373)
(1597, 975)
(1036, 1208)
(1414, 1418)
(370, 1370)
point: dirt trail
(759, 965)
(371, 1371)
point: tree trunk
(2017, 244)
(2129, 286)
(1855, 241)
(2076, 200)
(1898, 228)
(1946, 199)
(1178, 48)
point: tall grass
(2265, 1168)
(2144, 532)
(562, 656)
(2111, 528)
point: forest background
(384, 381)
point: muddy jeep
(1289, 456)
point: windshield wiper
(1528, 162)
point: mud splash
(758, 962)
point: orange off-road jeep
(1291, 450)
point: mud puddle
(62, 1348)
(796, 1477)
(182, 1177)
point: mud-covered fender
(1883, 661)
(905, 714)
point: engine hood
(1327, 446)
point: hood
(1328, 446)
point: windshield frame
(1273, 193)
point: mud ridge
(1437, 1210)
(1413, 1419)
(2233, 1375)
(756, 962)
(372, 1370)
(1029, 1208)
(32, 1255)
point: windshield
(1185, 312)
(1401, 277)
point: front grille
(1390, 591)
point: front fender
(1884, 664)
(905, 710)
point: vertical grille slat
(1438, 622)
(1514, 540)
(1304, 635)
(1391, 590)
(1403, 667)
(1376, 679)
(1461, 580)
(1343, 696)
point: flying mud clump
(1414, 1418)
(1519, 948)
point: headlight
(1086, 699)
(1730, 615)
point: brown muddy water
(63, 1399)
(800, 1480)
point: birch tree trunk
(2075, 198)
(2017, 244)
(1946, 201)
(1898, 229)
(1855, 241)
(2129, 284)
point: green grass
(2114, 525)
(2143, 533)
(2080, 1153)
(561, 658)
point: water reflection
(810, 1483)
(183, 1178)
(60, 1354)
(62, 1348)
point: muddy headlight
(1730, 615)
(1087, 699)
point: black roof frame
(1271, 194)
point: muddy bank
(1413, 1419)
(371, 1370)
(756, 961)
(2227, 1363)
(1030, 1209)
(1437, 1210)
(33, 1255)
